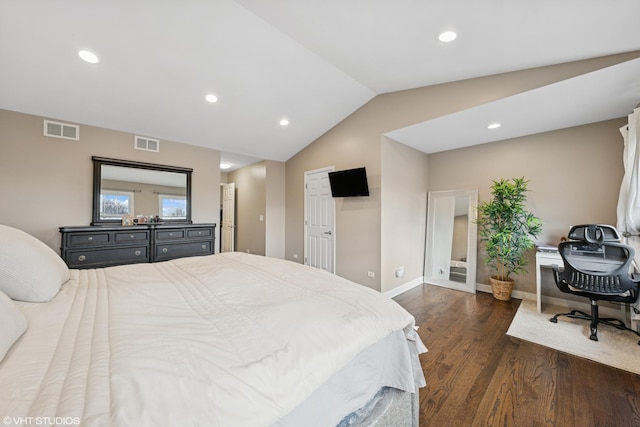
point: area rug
(615, 348)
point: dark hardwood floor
(479, 376)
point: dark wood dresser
(104, 246)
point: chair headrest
(608, 258)
(595, 234)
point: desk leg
(635, 319)
(538, 286)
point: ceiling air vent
(61, 130)
(146, 144)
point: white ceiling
(313, 62)
(604, 94)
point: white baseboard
(479, 286)
(515, 294)
(404, 288)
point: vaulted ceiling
(310, 62)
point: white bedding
(224, 340)
(458, 264)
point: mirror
(125, 188)
(451, 246)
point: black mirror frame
(97, 180)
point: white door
(227, 234)
(319, 220)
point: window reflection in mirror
(115, 204)
(172, 206)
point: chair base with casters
(597, 267)
(595, 319)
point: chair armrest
(635, 277)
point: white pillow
(12, 324)
(29, 270)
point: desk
(544, 259)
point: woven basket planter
(501, 288)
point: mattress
(228, 339)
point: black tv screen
(349, 183)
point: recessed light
(88, 56)
(284, 122)
(225, 165)
(211, 98)
(494, 126)
(447, 36)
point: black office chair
(596, 266)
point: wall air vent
(146, 144)
(61, 130)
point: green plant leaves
(506, 227)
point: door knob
(328, 232)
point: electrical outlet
(371, 274)
(295, 256)
(399, 272)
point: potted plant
(507, 230)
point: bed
(222, 340)
(458, 271)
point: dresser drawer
(133, 236)
(178, 250)
(173, 234)
(107, 256)
(199, 233)
(77, 239)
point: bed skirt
(389, 408)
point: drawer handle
(170, 234)
(82, 258)
(137, 253)
(204, 246)
(132, 236)
(199, 233)
(165, 250)
(89, 238)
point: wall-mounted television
(349, 183)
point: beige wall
(250, 205)
(460, 237)
(356, 141)
(275, 212)
(575, 178)
(404, 213)
(47, 182)
(352, 143)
